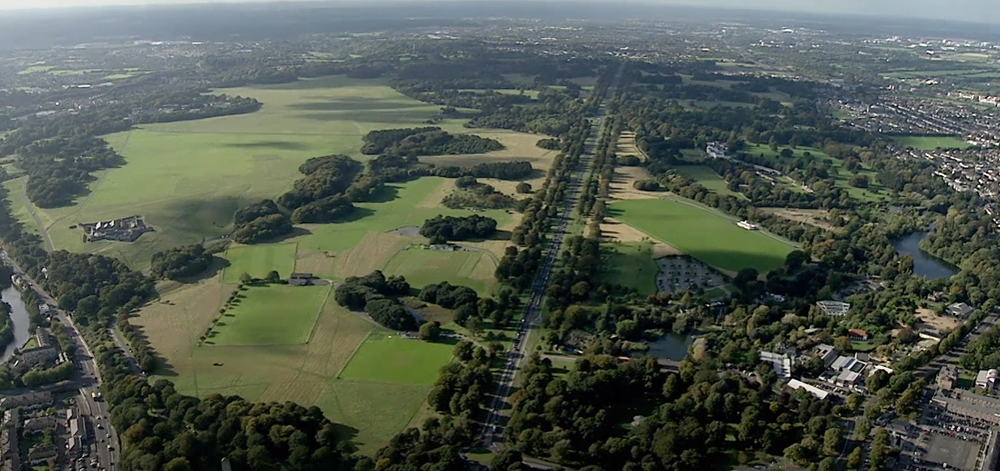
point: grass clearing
(35, 69)
(631, 265)
(931, 142)
(707, 178)
(622, 184)
(259, 260)
(422, 267)
(703, 233)
(389, 357)
(270, 315)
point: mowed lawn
(707, 178)
(259, 260)
(631, 265)
(422, 267)
(270, 315)
(188, 178)
(703, 234)
(931, 142)
(388, 357)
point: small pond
(671, 346)
(924, 265)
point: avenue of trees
(441, 229)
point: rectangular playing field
(388, 357)
(703, 233)
(422, 267)
(270, 315)
(259, 260)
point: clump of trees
(324, 177)
(373, 294)
(426, 141)
(36, 378)
(549, 143)
(7, 327)
(329, 209)
(180, 262)
(472, 194)
(441, 229)
(259, 222)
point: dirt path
(34, 214)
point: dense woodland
(425, 141)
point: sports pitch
(702, 233)
(270, 315)
(388, 357)
(259, 260)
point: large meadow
(278, 342)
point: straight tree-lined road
(493, 428)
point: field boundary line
(337, 377)
(312, 330)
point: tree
(430, 331)
(831, 441)
(795, 259)
(273, 277)
(523, 187)
(859, 181)
(843, 343)
(245, 278)
(854, 458)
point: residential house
(40, 424)
(987, 380)
(9, 446)
(42, 454)
(947, 377)
(858, 334)
(959, 310)
(32, 400)
(850, 371)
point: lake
(924, 265)
(18, 314)
(671, 346)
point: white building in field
(748, 226)
(717, 150)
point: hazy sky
(972, 10)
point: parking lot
(953, 451)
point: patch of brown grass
(813, 217)
(626, 144)
(181, 315)
(621, 184)
(372, 253)
(314, 261)
(618, 231)
(941, 323)
(434, 198)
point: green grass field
(36, 69)
(270, 315)
(188, 178)
(703, 234)
(259, 260)
(423, 267)
(631, 265)
(707, 178)
(931, 142)
(387, 357)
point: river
(924, 265)
(671, 346)
(19, 314)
